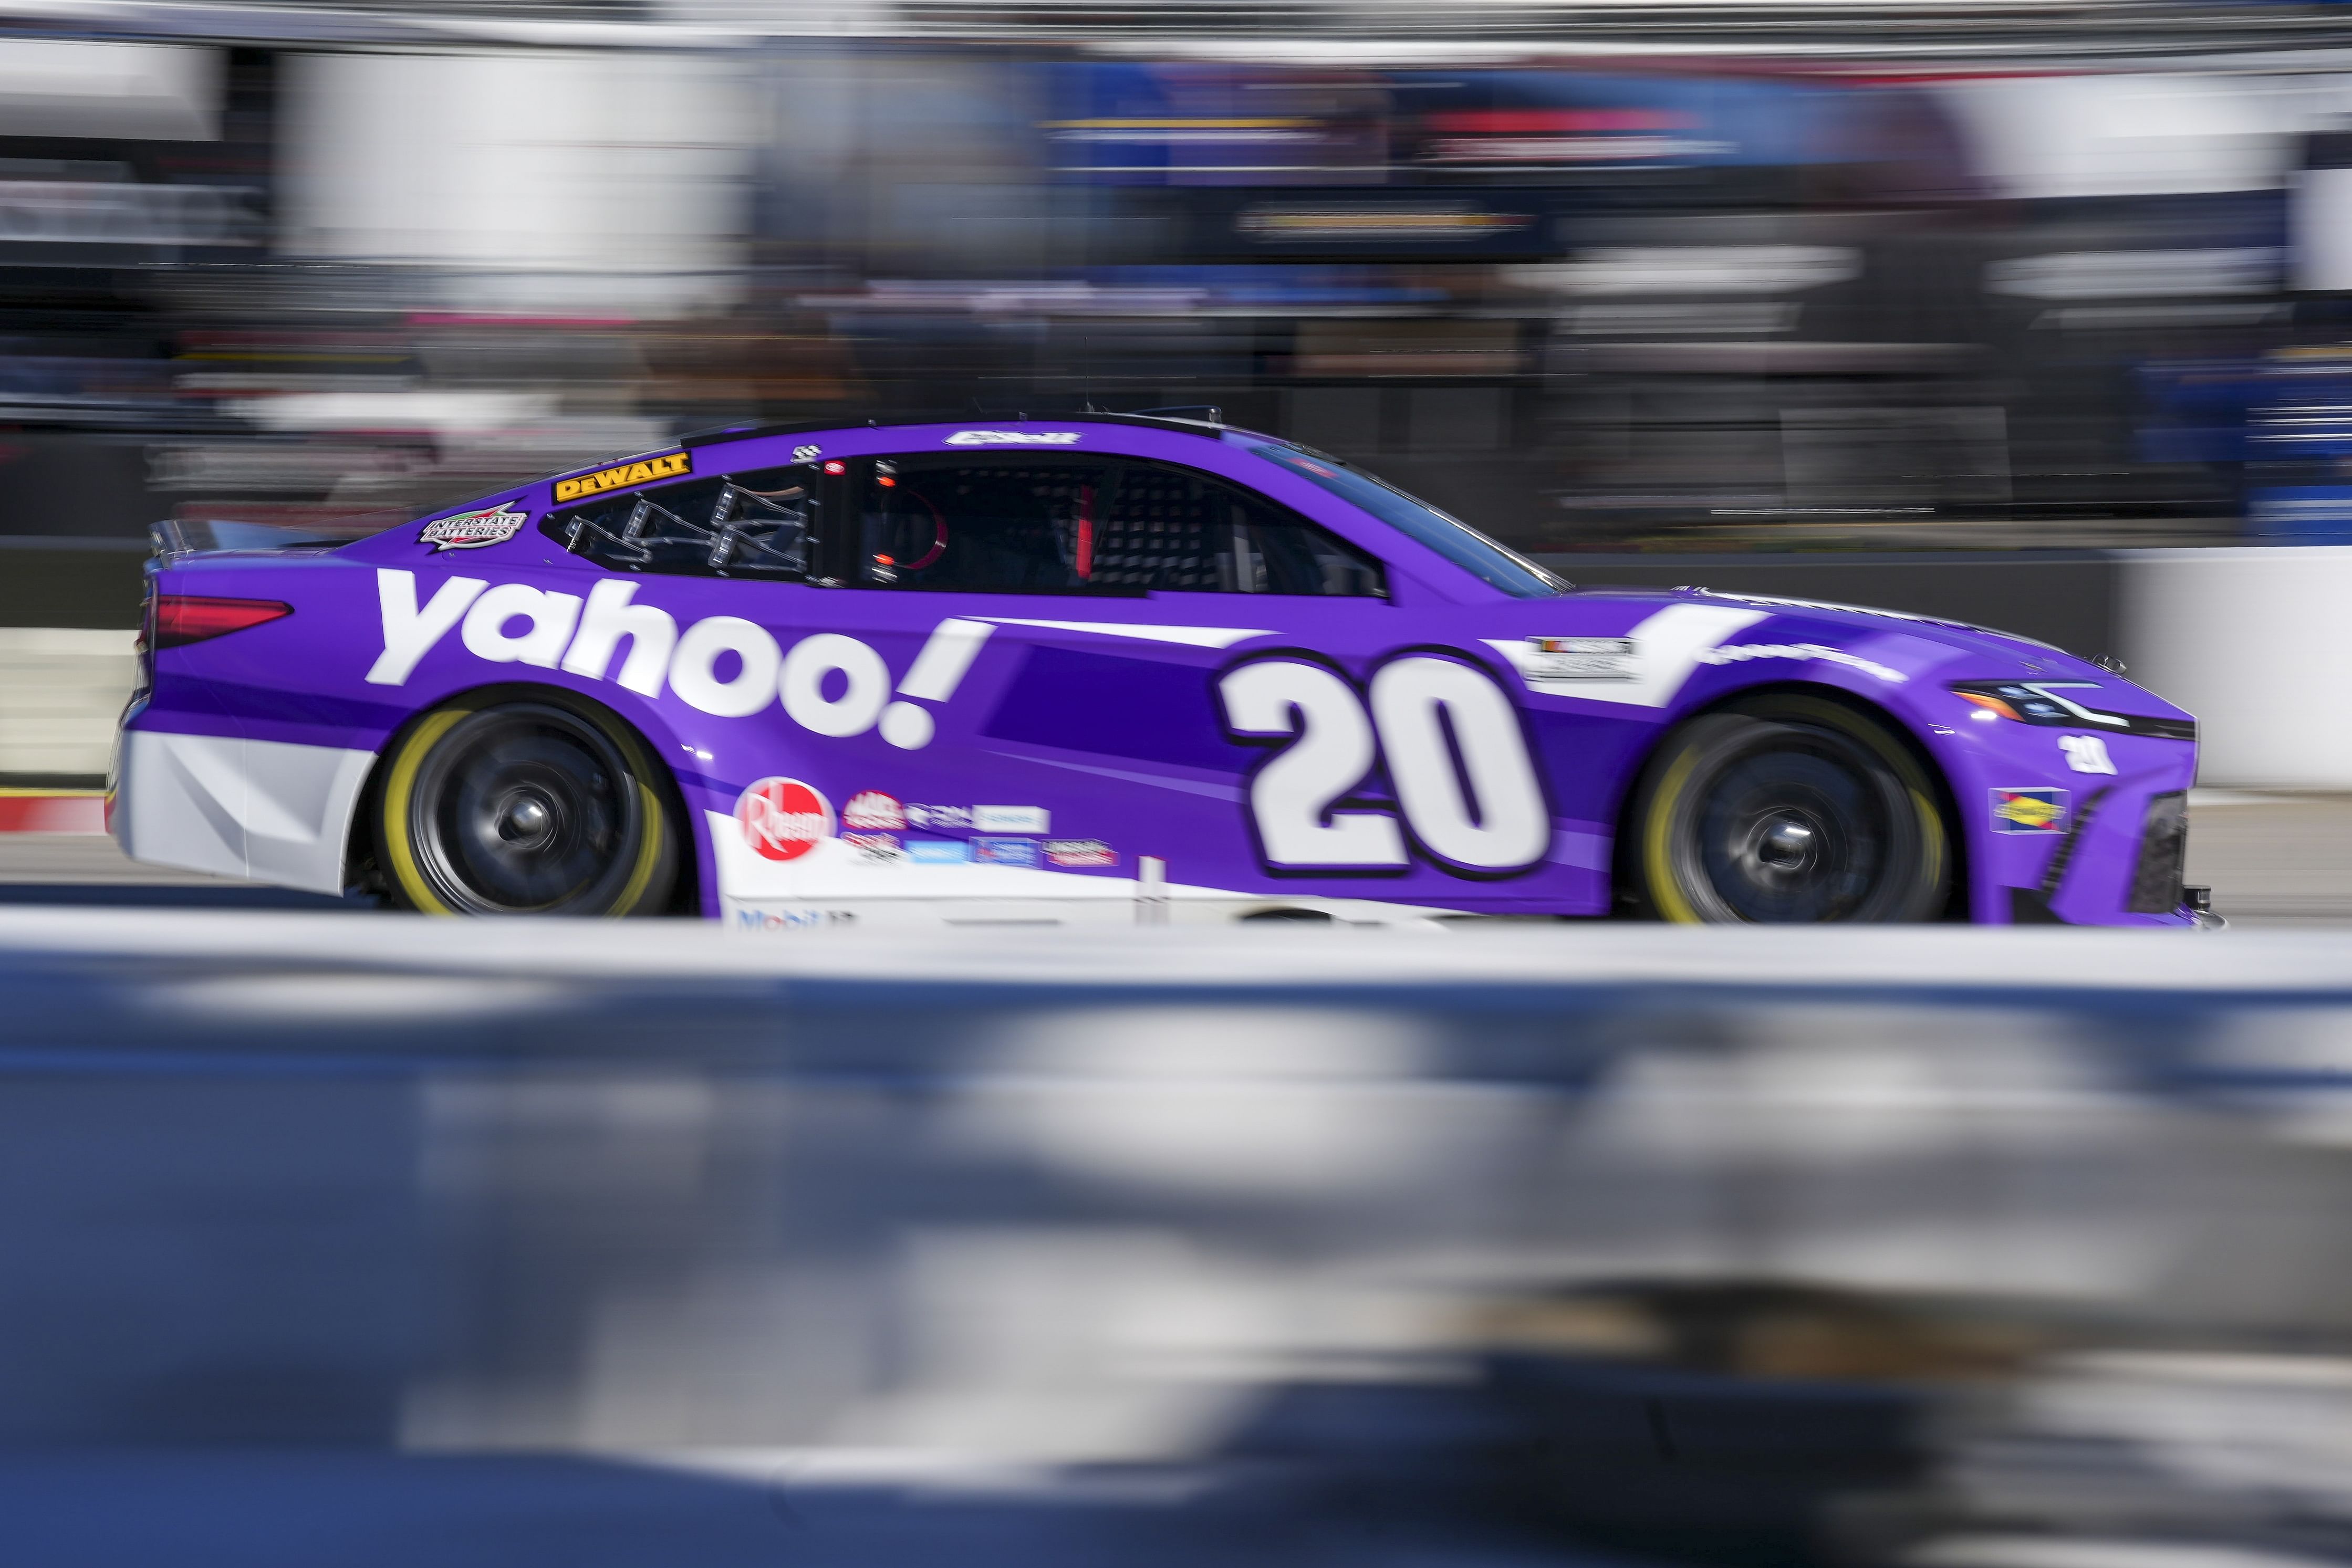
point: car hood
(1956, 649)
(1960, 634)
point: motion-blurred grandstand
(1715, 274)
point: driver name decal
(1014, 438)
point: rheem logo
(784, 818)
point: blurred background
(345, 1240)
(1714, 276)
(1612, 280)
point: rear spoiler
(175, 537)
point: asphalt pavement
(2271, 860)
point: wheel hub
(526, 820)
(1785, 841)
(526, 808)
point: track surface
(2271, 860)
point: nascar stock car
(1111, 668)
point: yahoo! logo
(515, 623)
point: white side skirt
(834, 886)
(260, 809)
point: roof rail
(1155, 418)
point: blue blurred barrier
(373, 1241)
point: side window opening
(1014, 525)
(758, 523)
(973, 525)
(1172, 529)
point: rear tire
(1788, 810)
(524, 806)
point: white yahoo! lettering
(687, 663)
(693, 668)
(652, 635)
(410, 632)
(802, 685)
(551, 615)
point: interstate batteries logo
(784, 818)
(622, 476)
(471, 530)
(2028, 811)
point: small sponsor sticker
(1010, 819)
(757, 919)
(471, 530)
(938, 851)
(1014, 438)
(621, 475)
(882, 849)
(1004, 851)
(784, 818)
(870, 810)
(942, 817)
(1580, 658)
(807, 453)
(1079, 852)
(2028, 811)
(2087, 753)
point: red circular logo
(784, 818)
(870, 810)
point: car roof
(722, 433)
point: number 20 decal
(1441, 724)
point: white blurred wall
(548, 181)
(2255, 643)
(54, 87)
(2067, 137)
(61, 689)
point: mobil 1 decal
(1462, 791)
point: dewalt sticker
(624, 476)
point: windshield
(1458, 542)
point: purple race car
(1110, 668)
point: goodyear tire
(524, 808)
(1788, 810)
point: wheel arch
(1947, 803)
(359, 869)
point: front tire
(1788, 810)
(524, 806)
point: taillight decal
(184, 617)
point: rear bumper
(261, 809)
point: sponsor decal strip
(620, 477)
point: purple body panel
(1120, 737)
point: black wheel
(524, 808)
(1788, 810)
